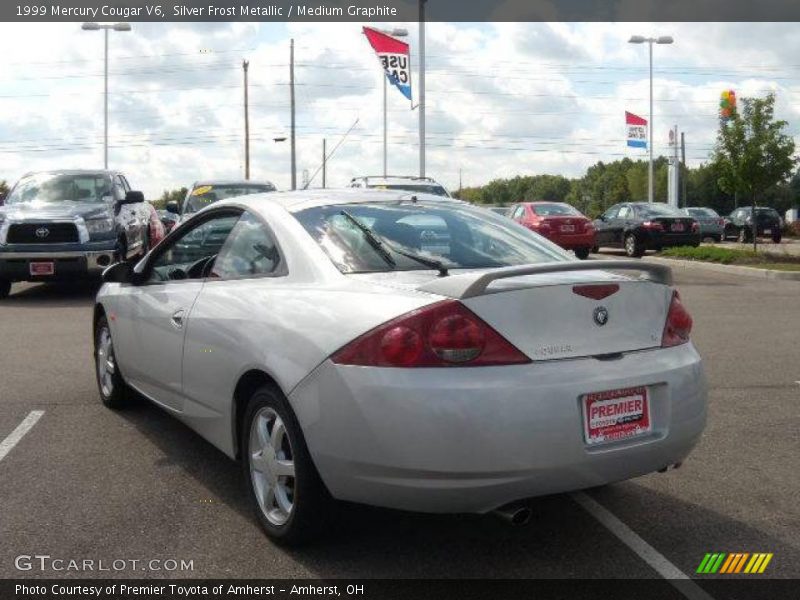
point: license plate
(768, 232)
(568, 228)
(616, 415)
(42, 268)
(677, 227)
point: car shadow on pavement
(52, 295)
(561, 540)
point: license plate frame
(677, 227)
(768, 232)
(567, 229)
(42, 268)
(616, 417)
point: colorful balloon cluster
(727, 104)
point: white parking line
(15, 436)
(645, 551)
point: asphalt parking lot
(89, 483)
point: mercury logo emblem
(42, 232)
(601, 315)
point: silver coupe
(400, 350)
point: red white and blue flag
(637, 130)
(394, 58)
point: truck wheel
(286, 491)
(582, 253)
(121, 251)
(633, 247)
(5, 288)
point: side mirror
(133, 198)
(121, 272)
(172, 207)
(601, 217)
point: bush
(728, 256)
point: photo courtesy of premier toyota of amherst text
(405, 299)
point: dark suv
(640, 226)
(68, 224)
(739, 224)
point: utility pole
(291, 92)
(245, 65)
(684, 171)
(324, 163)
(422, 88)
(459, 182)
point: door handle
(177, 319)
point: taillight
(444, 334)
(679, 323)
(721, 222)
(653, 225)
(695, 227)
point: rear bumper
(15, 266)
(572, 241)
(470, 440)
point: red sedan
(560, 223)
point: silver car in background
(400, 350)
(711, 224)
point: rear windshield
(436, 190)
(701, 212)
(555, 209)
(203, 195)
(658, 210)
(455, 234)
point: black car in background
(739, 224)
(640, 226)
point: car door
(225, 330)
(152, 317)
(603, 226)
(622, 223)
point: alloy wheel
(272, 466)
(106, 365)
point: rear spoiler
(469, 285)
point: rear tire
(633, 247)
(776, 238)
(284, 487)
(114, 392)
(5, 288)
(582, 253)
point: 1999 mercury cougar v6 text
(400, 350)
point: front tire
(286, 492)
(113, 390)
(633, 247)
(5, 288)
(582, 253)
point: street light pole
(90, 26)
(639, 39)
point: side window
(519, 212)
(125, 184)
(250, 251)
(611, 213)
(189, 256)
(626, 212)
(119, 189)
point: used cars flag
(637, 130)
(394, 58)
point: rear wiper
(371, 238)
(374, 239)
(424, 260)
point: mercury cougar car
(321, 341)
(60, 225)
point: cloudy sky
(503, 99)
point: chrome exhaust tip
(515, 514)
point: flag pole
(422, 88)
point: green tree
(3, 188)
(753, 152)
(171, 195)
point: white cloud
(503, 99)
